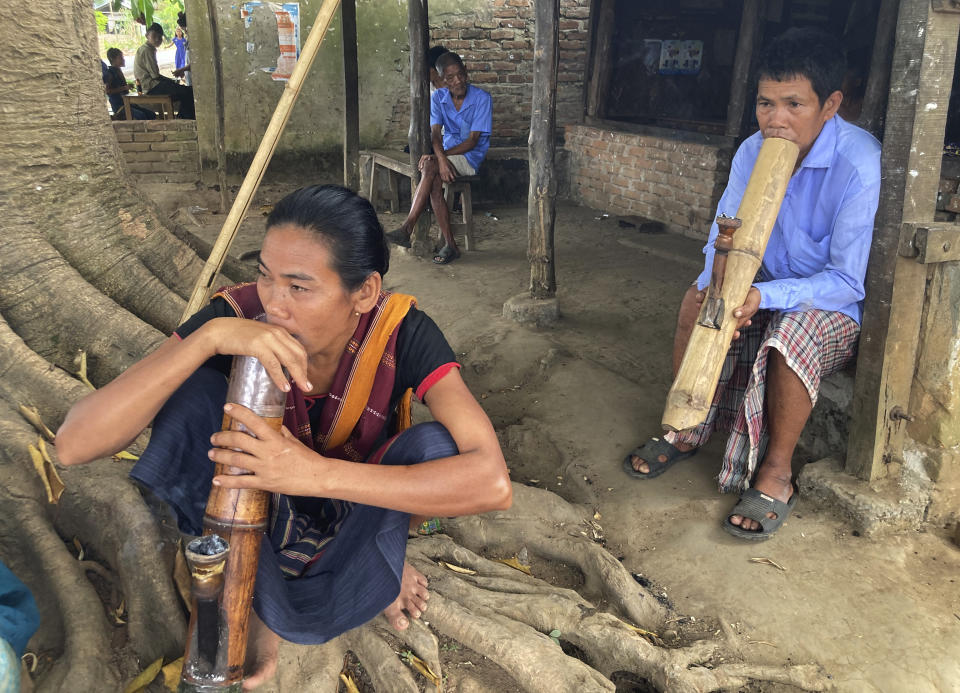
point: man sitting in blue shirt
(801, 317)
(461, 117)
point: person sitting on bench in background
(461, 117)
(115, 85)
(436, 81)
(146, 70)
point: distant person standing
(147, 71)
(181, 59)
(436, 81)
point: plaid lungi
(814, 344)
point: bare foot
(640, 464)
(412, 599)
(262, 653)
(773, 480)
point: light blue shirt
(475, 115)
(818, 250)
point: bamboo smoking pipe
(691, 395)
(223, 563)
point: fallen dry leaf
(81, 362)
(79, 547)
(124, 455)
(349, 683)
(647, 635)
(32, 414)
(144, 678)
(516, 565)
(422, 667)
(118, 619)
(768, 561)
(458, 569)
(171, 675)
(52, 482)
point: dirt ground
(570, 401)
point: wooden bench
(396, 164)
(161, 104)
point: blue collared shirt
(818, 250)
(475, 115)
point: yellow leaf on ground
(79, 547)
(171, 675)
(349, 683)
(458, 569)
(52, 482)
(124, 455)
(32, 414)
(118, 612)
(516, 565)
(144, 677)
(650, 636)
(423, 668)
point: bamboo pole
(261, 159)
(692, 393)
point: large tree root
(554, 530)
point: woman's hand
(749, 308)
(276, 460)
(273, 346)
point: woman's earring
(357, 313)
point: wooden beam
(922, 72)
(747, 39)
(878, 80)
(351, 96)
(542, 198)
(418, 137)
(601, 65)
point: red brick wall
(159, 151)
(670, 178)
(495, 40)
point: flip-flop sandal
(398, 237)
(446, 255)
(650, 452)
(755, 505)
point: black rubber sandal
(650, 453)
(754, 505)
(398, 237)
(446, 255)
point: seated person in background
(801, 317)
(348, 468)
(436, 81)
(148, 73)
(461, 117)
(115, 85)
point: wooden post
(600, 63)
(219, 105)
(419, 134)
(923, 60)
(542, 197)
(878, 81)
(691, 395)
(740, 80)
(351, 96)
(261, 159)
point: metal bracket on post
(930, 243)
(945, 5)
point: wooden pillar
(419, 133)
(601, 65)
(740, 80)
(923, 60)
(542, 202)
(351, 96)
(219, 105)
(878, 81)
